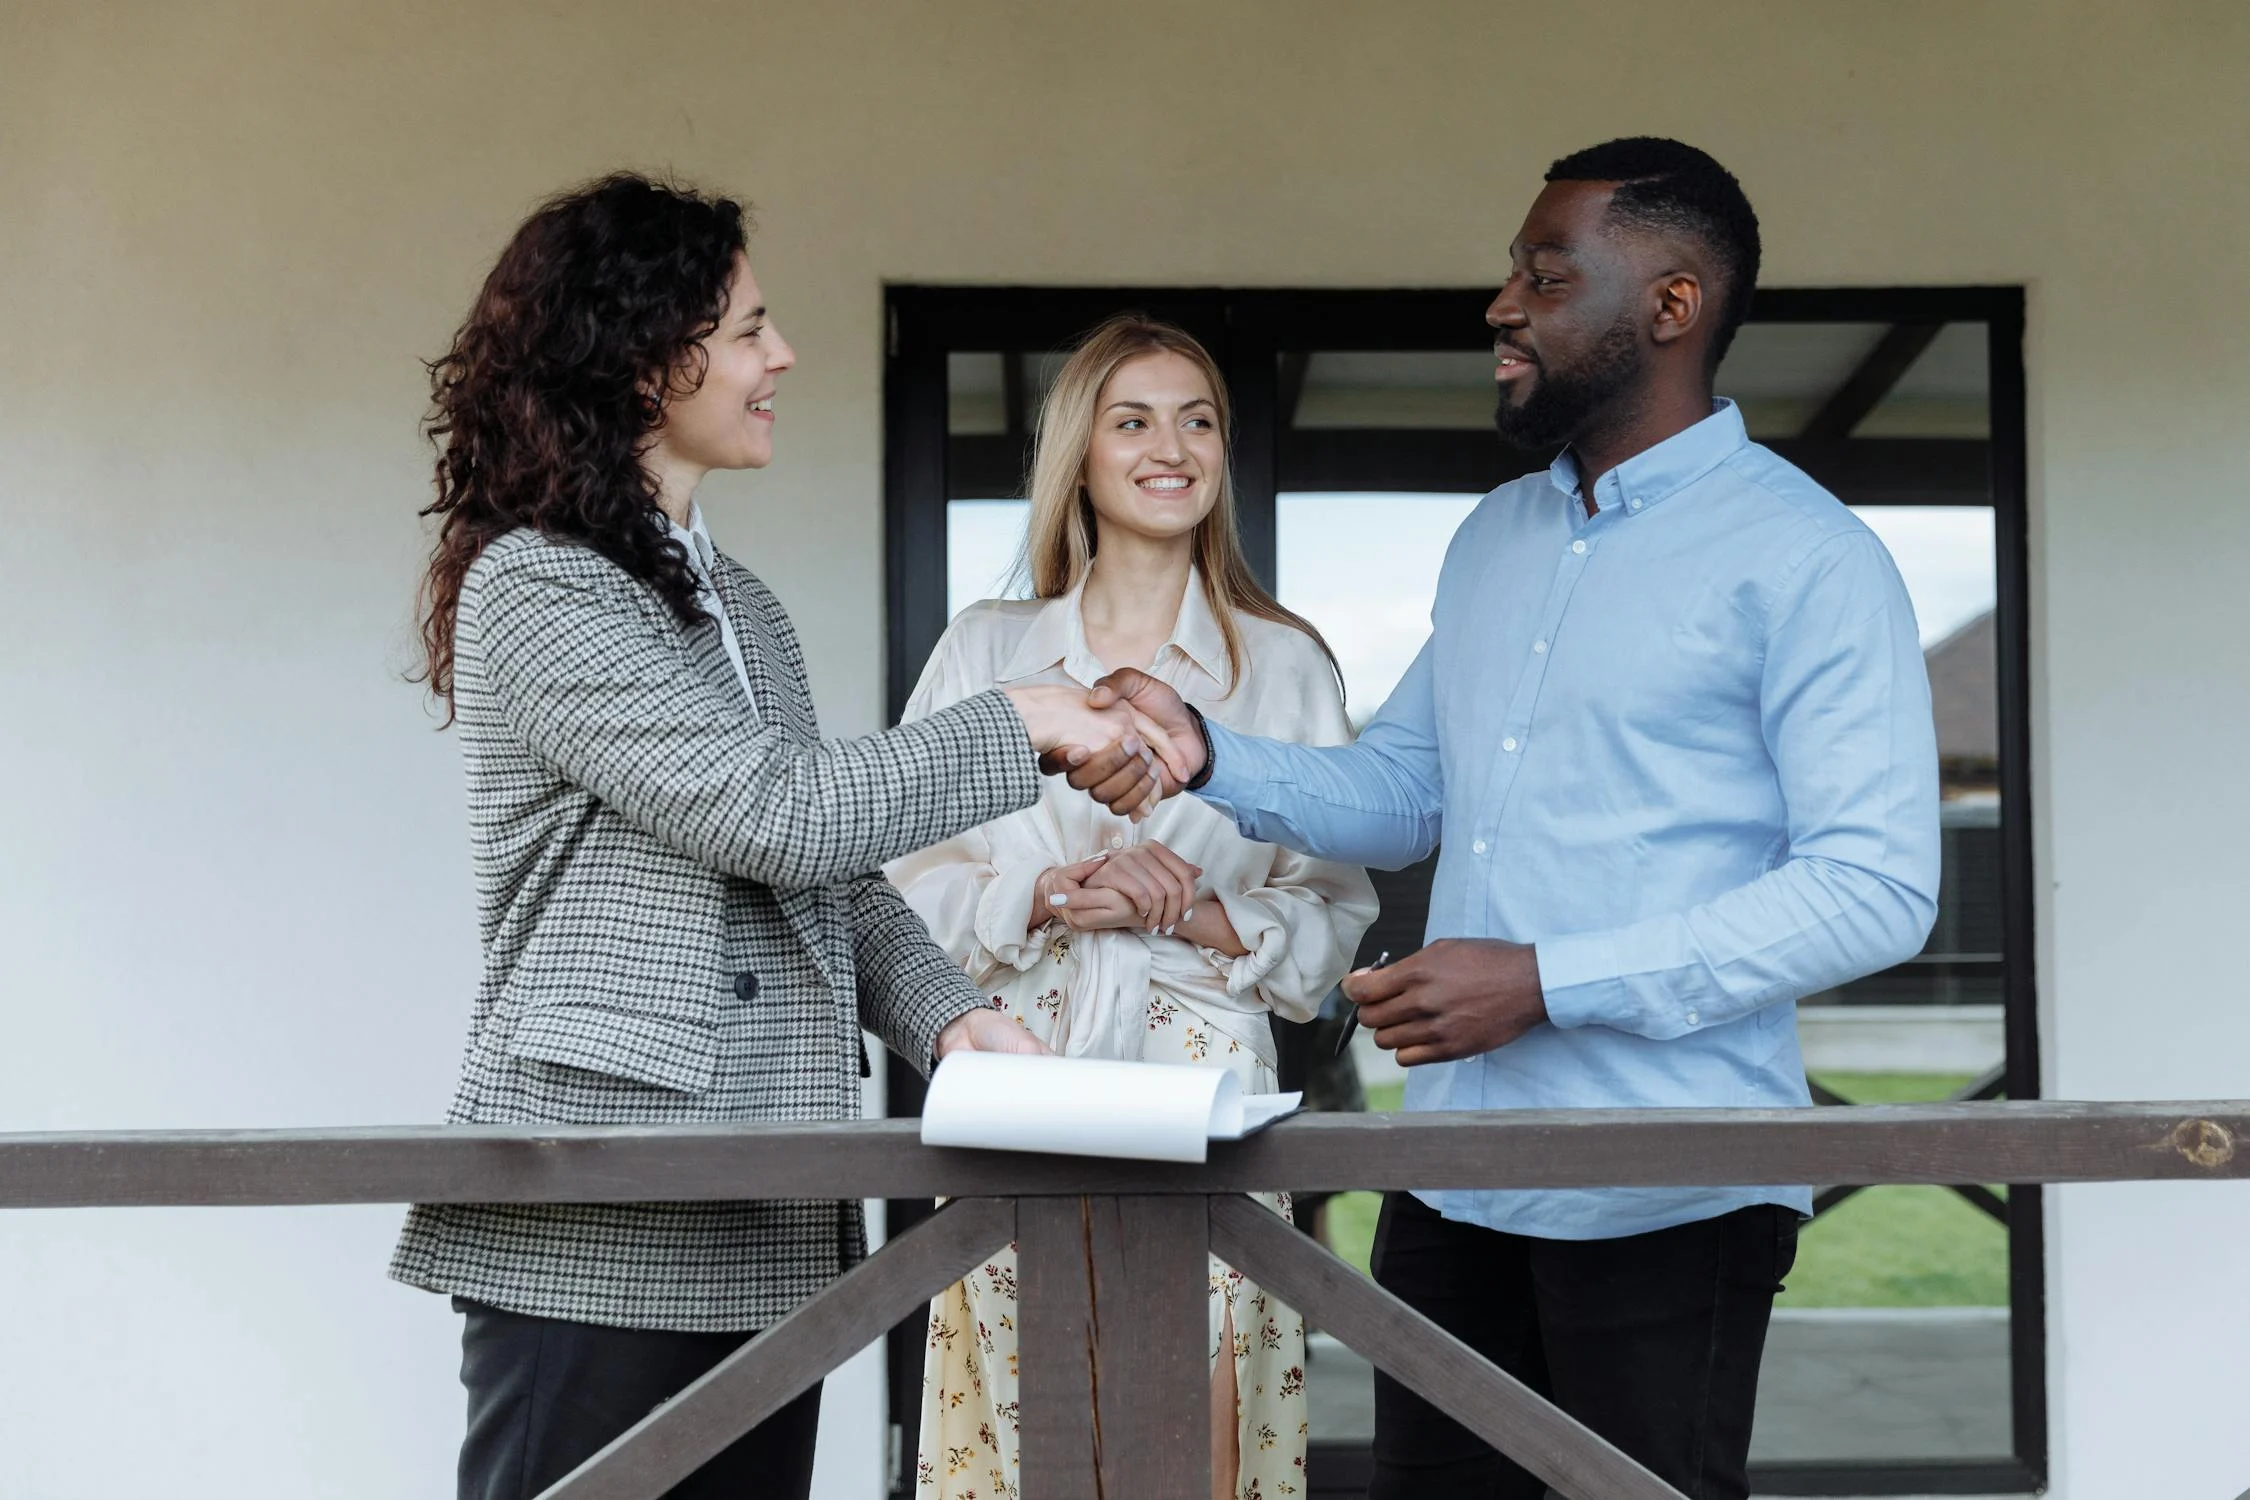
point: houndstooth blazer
(680, 924)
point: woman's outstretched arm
(581, 669)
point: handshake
(1129, 741)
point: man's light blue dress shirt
(1684, 747)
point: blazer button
(745, 986)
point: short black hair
(1670, 186)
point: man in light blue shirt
(1673, 729)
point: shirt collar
(1663, 471)
(1058, 635)
(695, 536)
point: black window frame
(1246, 331)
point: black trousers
(546, 1395)
(1652, 1340)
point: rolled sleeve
(1003, 913)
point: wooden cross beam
(770, 1371)
(1575, 1462)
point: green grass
(1886, 1247)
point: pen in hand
(1351, 1022)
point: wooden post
(1114, 1347)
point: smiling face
(1157, 457)
(1572, 324)
(727, 421)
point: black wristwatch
(1196, 782)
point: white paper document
(1089, 1106)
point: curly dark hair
(541, 409)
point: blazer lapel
(708, 650)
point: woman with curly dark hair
(677, 899)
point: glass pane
(1783, 374)
(983, 545)
(975, 404)
(1364, 567)
(1946, 553)
(1412, 389)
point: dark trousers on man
(1652, 1340)
(546, 1395)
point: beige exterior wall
(233, 887)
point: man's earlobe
(1679, 307)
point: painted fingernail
(1167, 932)
(1058, 899)
(1188, 915)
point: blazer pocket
(661, 1050)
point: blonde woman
(1169, 940)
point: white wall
(233, 884)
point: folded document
(1087, 1106)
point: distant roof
(1965, 692)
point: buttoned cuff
(1227, 785)
(1579, 976)
(1002, 913)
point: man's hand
(987, 1030)
(1456, 998)
(1110, 774)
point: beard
(1563, 398)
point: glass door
(1907, 1355)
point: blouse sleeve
(976, 910)
(1303, 920)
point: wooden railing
(1112, 1274)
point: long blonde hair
(1060, 542)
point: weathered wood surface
(767, 1373)
(1058, 1445)
(1574, 1461)
(2033, 1141)
(1114, 1380)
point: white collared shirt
(703, 557)
(1301, 919)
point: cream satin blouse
(1113, 993)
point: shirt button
(1539, 648)
(1632, 505)
(1694, 1018)
(1480, 846)
(1578, 546)
(1116, 841)
(1509, 744)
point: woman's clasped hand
(1144, 886)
